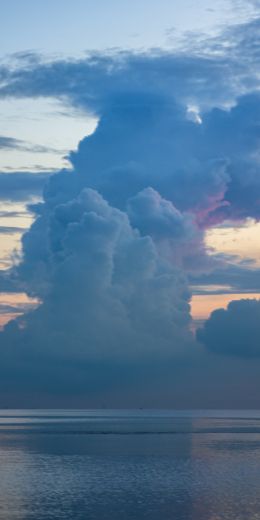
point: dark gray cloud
(206, 71)
(234, 135)
(7, 143)
(10, 230)
(238, 278)
(10, 143)
(12, 214)
(234, 331)
(92, 83)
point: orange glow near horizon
(5, 318)
(20, 303)
(241, 241)
(16, 298)
(202, 305)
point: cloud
(92, 83)
(116, 236)
(21, 186)
(142, 171)
(210, 177)
(13, 214)
(10, 143)
(200, 168)
(15, 309)
(102, 284)
(158, 217)
(234, 135)
(109, 250)
(159, 132)
(172, 231)
(10, 230)
(234, 331)
(204, 71)
(203, 164)
(8, 283)
(238, 277)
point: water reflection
(138, 465)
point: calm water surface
(122, 465)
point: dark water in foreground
(121, 465)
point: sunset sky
(130, 189)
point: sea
(129, 464)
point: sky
(130, 189)
(75, 28)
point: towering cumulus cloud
(107, 293)
(105, 256)
(116, 236)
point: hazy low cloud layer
(10, 143)
(21, 186)
(239, 278)
(8, 282)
